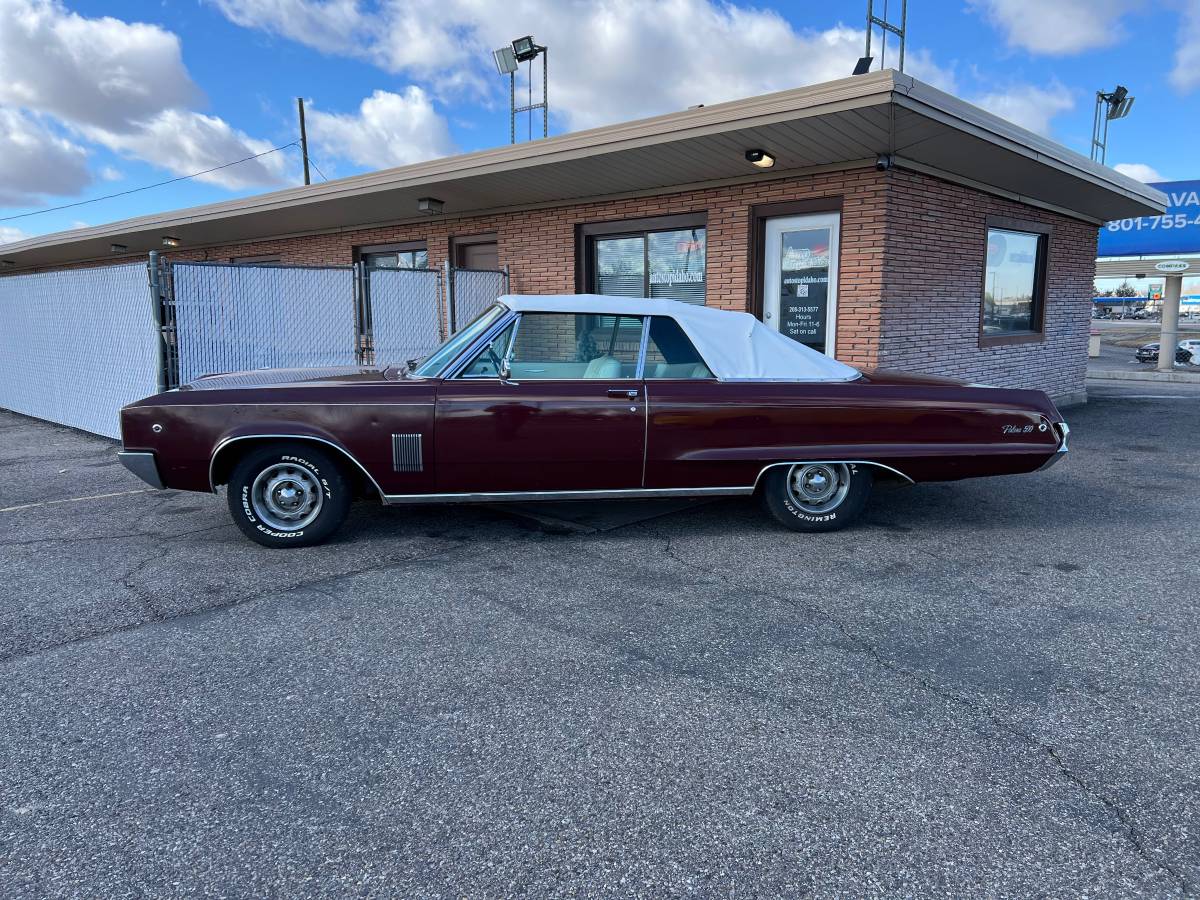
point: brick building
(875, 218)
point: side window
(565, 346)
(484, 365)
(670, 354)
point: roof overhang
(837, 124)
(1146, 266)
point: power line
(313, 163)
(38, 212)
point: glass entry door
(800, 260)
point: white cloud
(1058, 27)
(185, 142)
(331, 26)
(1140, 171)
(10, 235)
(101, 72)
(1028, 105)
(388, 130)
(1185, 75)
(610, 60)
(35, 162)
(120, 84)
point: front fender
(225, 451)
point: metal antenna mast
(885, 25)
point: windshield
(437, 360)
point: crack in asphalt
(159, 616)
(81, 539)
(1127, 827)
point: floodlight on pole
(1110, 106)
(525, 49)
(508, 59)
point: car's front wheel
(288, 495)
(822, 496)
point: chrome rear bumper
(141, 464)
(1064, 432)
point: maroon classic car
(576, 397)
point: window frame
(463, 370)
(459, 242)
(586, 234)
(1037, 330)
(360, 253)
(455, 372)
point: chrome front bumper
(141, 464)
(1064, 432)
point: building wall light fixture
(760, 158)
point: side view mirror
(503, 372)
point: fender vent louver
(406, 453)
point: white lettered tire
(289, 494)
(822, 496)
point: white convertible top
(735, 345)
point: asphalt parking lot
(988, 687)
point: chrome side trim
(1064, 431)
(640, 371)
(143, 465)
(212, 460)
(849, 462)
(617, 494)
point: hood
(267, 377)
(885, 376)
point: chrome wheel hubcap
(819, 487)
(286, 497)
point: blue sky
(102, 97)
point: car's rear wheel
(822, 496)
(288, 495)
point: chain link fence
(405, 313)
(230, 318)
(471, 291)
(77, 345)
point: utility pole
(303, 139)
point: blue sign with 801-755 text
(1175, 231)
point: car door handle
(627, 393)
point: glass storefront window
(676, 264)
(1012, 282)
(620, 266)
(660, 264)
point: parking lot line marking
(4, 509)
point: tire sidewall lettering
(247, 506)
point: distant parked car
(1149, 353)
(1192, 345)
